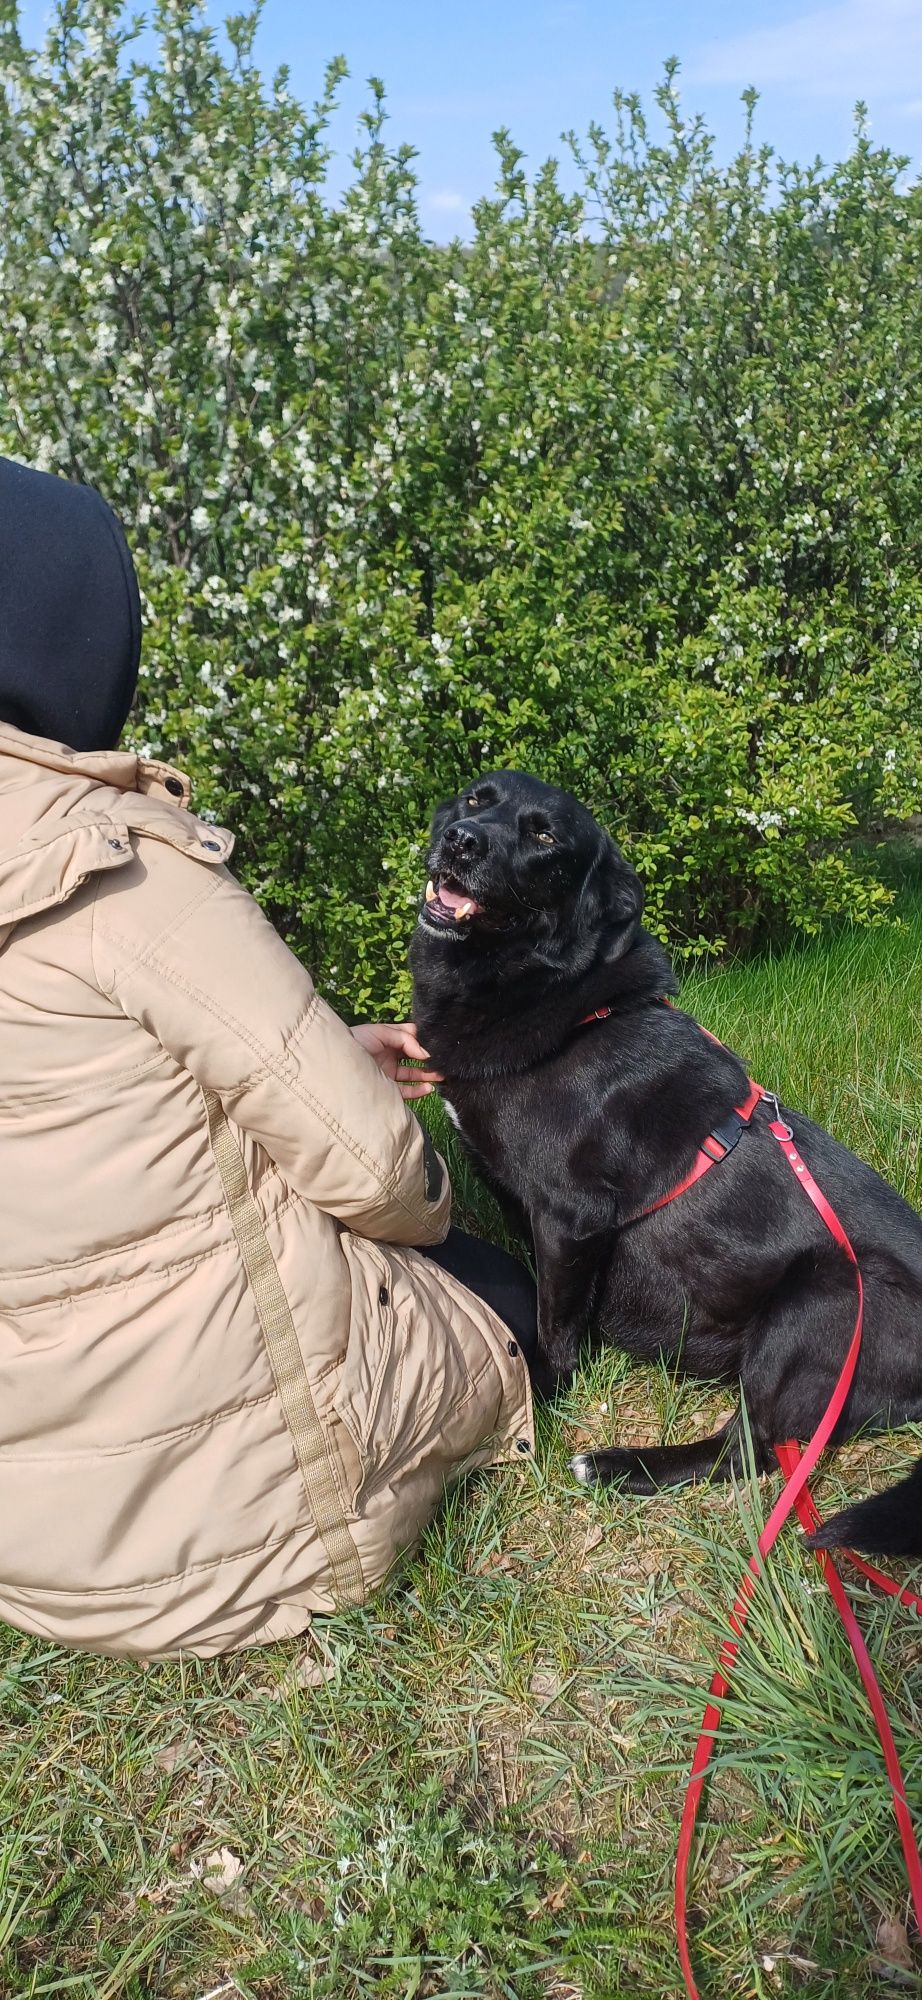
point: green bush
(625, 491)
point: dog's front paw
(560, 1354)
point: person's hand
(386, 1042)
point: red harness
(795, 1493)
(718, 1143)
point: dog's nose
(463, 842)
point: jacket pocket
(405, 1374)
(366, 1393)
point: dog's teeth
(430, 892)
(463, 910)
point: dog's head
(512, 858)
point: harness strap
(718, 1143)
(712, 1150)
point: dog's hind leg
(888, 1524)
(792, 1354)
(649, 1469)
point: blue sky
(454, 73)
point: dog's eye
(546, 839)
(473, 803)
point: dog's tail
(889, 1524)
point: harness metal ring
(769, 1097)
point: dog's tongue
(455, 899)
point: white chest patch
(451, 1113)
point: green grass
(472, 1787)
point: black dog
(532, 921)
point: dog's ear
(611, 900)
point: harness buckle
(725, 1136)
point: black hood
(70, 612)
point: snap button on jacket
(230, 1393)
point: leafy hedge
(626, 491)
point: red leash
(810, 1518)
(796, 1467)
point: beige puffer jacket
(226, 1399)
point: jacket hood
(66, 816)
(70, 611)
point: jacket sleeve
(188, 954)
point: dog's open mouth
(446, 903)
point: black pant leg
(499, 1279)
